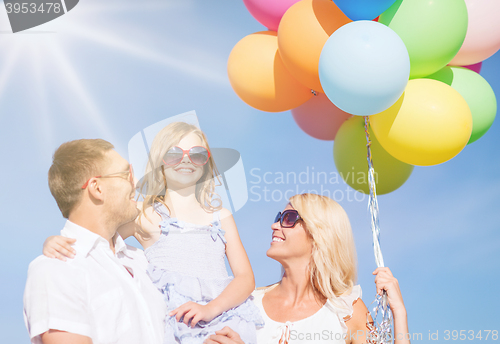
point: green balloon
(432, 30)
(477, 93)
(349, 154)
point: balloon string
(378, 332)
(372, 200)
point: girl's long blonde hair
(153, 186)
(332, 267)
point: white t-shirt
(94, 294)
(325, 326)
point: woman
(316, 301)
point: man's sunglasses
(288, 218)
(130, 172)
(198, 155)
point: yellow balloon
(259, 77)
(430, 124)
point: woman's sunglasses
(198, 155)
(288, 218)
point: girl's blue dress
(187, 264)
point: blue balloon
(363, 9)
(364, 67)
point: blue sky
(110, 69)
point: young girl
(185, 233)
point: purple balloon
(475, 67)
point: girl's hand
(224, 336)
(384, 280)
(59, 247)
(194, 312)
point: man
(103, 295)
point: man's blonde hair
(332, 266)
(73, 164)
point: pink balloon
(269, 12)
(475, 67)
(319, 118)
(483, 33)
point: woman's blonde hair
(332, 266)
(154, 184)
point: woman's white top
(325, 326)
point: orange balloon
(302, 33)
(259, 77)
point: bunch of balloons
(411, 65)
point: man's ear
(95, 190)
